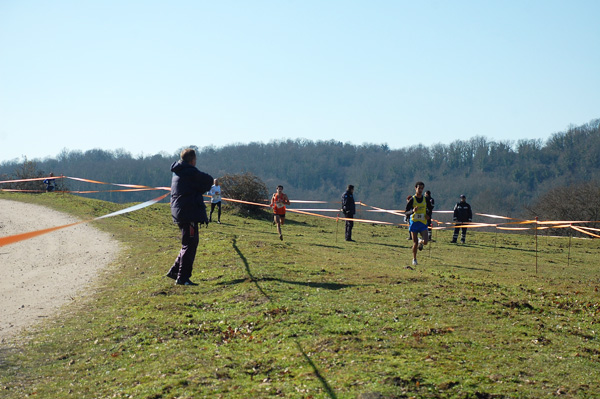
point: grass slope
(316, 317)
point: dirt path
(43, 273)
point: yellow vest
(421, 214)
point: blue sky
(154, 76)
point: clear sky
(152, 76)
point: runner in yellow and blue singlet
(417, 208)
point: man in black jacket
(430, 214)
(462, 215)
(349, 209)
(187, 208)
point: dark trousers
(349, 225)
(189, 243)
(212, 208)
(464, 234)
(429, 229)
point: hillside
(497, 177)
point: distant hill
(496, 177)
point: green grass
(312, 317)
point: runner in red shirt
(278, 203)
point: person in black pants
(50, 183)
(407, 219)
(215, 200)
(349, 209)
(462, 215)
(429, 213)
(188, 210)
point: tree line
(505, 177)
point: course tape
(25, 236)
(582, 230)
(119, 184)
(84, 192)
(131, 187)
(492, 216)
(305, 212)
(21, 191)
(31, 179)
(538, 225)
(588, 228)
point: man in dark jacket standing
(187, 207)
(349, 209)
(430, 214)
(462, 214)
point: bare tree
(578, 202)
(28, 170)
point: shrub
(245, 187)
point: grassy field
(317, 317)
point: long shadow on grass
(326, 286)
(243, 258)
(329, 286)
(317, 372)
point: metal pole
(337, 219)
(430, 241)
(536, 245)
(569, 254)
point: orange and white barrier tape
(31, 179)
(130, 187)
(25, 236)
(584, 230)
(492, 216)
(512, 225)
